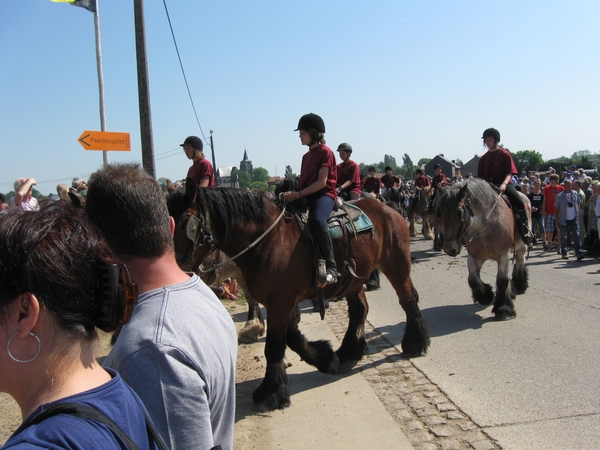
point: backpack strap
(88, 412)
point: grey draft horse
(474, 214)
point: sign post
(105, 140)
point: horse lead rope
(260, 238)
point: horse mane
(480, 194)
(226, 207)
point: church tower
(246, 164)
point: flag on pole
(90, 5)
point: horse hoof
(334, 366)
(279, 399)
(504, 317)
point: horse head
(451, 217)
(192, 236)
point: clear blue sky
(389, 77)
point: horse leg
(274, 391)
(520, 275)
(354, 344)
(482, 292)
(255, 324)
(411, 227)
(427, 228)
(504, 307)
(316, 353)
(416, 336)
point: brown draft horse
(420, 209)
(279, 272)
(473, 214)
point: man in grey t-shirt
(179, 350)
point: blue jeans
(539, 223)
(319, 210)
(572, 226)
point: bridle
(466, 213)
(200, 234)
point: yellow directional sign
(105, 140)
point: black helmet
(311, 121)
(194, 141)
(491, 132)
(344, 147)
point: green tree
(423, 161)
(528, 160)
(289, 174)
(260, 174)
(408, 169)
(262, 185)
(243, 178)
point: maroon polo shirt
(349, 171)
(312, 161)
(495, 166)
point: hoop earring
(22, 360)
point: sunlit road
(532, 382)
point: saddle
(345, 220)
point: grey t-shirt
(178, 353)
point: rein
(466, 221)
(250, 246)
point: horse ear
(191, 189)
(462, 193)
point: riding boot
(323, 239)
(526, 233)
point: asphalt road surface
(530, 383)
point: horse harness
(466, 213)
(200, 234)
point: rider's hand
(502, 187)
(290, 196)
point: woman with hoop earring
(57, 287)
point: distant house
(224, 176)
(470, 167)
(449, 168)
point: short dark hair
(57, 255)
(129, 208)
(419, 171)
(2, 198)
(372, 169)
(387, 168)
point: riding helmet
(311, 122)
(345, 147)
(194, 141)
(491, 132)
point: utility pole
(143, 90)
(212, 149)
(100, 78)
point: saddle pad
(360, 222)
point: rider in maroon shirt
(498, 167)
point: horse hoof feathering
(253, 329)
(276, 263)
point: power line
(183, 71)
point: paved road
(532, 382)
